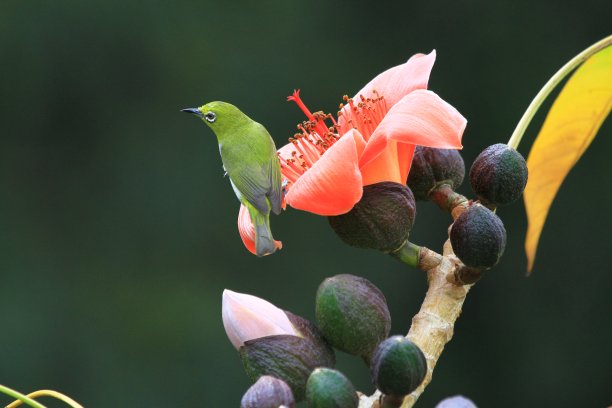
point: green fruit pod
(498, 175)
(381, 220)
(433, 167)
(478, 237)
(268, 392)
(353, 315)
(398, 366)
(328, 388)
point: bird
(251, 162)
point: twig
(433, 326)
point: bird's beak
(195, 111)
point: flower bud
(327, 388)
(478, 237)
(352, 314)
(268, 392)
(433, 167)
(458, 401)
(274, 342)
(381, 220)
(247, 317)
(398, 366)
(498, 175)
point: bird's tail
(254, 228)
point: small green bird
(249, 159)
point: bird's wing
(254, 186)
(275, 193)
(254, 168)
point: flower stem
(446, 198)
(408, 253)
(417, 256)
(518, 133)
(20, 397)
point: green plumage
(250, 160)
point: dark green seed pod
(398, 366)
(478, 237)
(327, 388)
(268, 392)
(352, 314)
(433, 167)
(498, 175)
(381, 220)
(289, 358)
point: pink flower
(247, 317)
(372, 141)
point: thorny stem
(432, 327)
(521, 127)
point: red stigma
(296, 98)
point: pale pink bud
(247, 317)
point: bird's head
(218, 115)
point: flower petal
(333, 184)
(399, 81)
(393, 85)
(420, 118)
(247, 317)
(247, 231)
(393, 164)
(405, 152)
(384, 167)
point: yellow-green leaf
(569, 128)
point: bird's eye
(210, 117)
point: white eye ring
(210, 117)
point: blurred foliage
(118, 230)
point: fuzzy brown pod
(381, 220)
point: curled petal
(395, 83)
(420, 118)
(247, 231)
(247, 317)
(333, 184)
(399, 81)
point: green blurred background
(118, 231)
